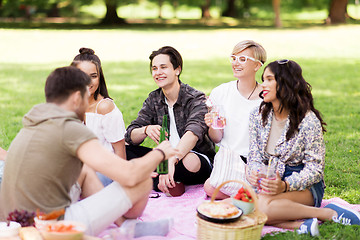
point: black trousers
(181, 173)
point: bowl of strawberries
(243, 200)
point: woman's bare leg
(89, 182)
(210, 190)
(291, 206)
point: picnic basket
(247, 227)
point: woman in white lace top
(102, 117)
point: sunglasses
(242, 59)
(283, 61)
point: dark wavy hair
(87, 54)
(294, 94)
(175, 57)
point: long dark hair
(294, 94)
(87, 54)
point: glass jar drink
(218, 120)
(268, 172)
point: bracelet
(145, 129)
(177, 160)
(285, 187)
(162, 152)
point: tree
(337, 12)
(160, 2)
(205, 9)
(111, 16)
(231, 9)
(236, 8)
(276, 7)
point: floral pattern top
(305, 147)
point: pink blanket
(183, 210)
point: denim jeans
(317, 190)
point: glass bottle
(162, 168)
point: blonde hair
(258, 50)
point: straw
(268, 170)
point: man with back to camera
(45, 159)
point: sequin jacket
(305, 147)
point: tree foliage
(228, 8)
(27, 8)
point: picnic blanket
(183, 210)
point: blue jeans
(104, 179)
(317, 190)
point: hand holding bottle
(153, 132)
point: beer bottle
(162, 168)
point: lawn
(330, 57)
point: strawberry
(248, 193)
(244, 199)
(243, 195)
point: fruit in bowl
(63, 230)
(243, 200)
(42, 220)
(42, 224)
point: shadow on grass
(158, 24)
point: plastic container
(246, 207)
(9, 231)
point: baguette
(30, 233)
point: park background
(31, 46)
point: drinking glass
(218, 120)
(268, 172)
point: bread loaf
(30, 233)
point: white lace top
(109, 128)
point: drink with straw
(162, 168)
(268, 172)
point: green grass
(329, 56)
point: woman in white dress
(102, 116)
(237, 98)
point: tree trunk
(276, 7)
(337, 11)
(53, 12)
(111, 16)
(160, 7)
(175, 5)
(231, 10)
(205, 9)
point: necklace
(253, 91)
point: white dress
(109, 128)
(228, 164)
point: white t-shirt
(228, 164)
(109, 128)
(237, 112)
(174, 135)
